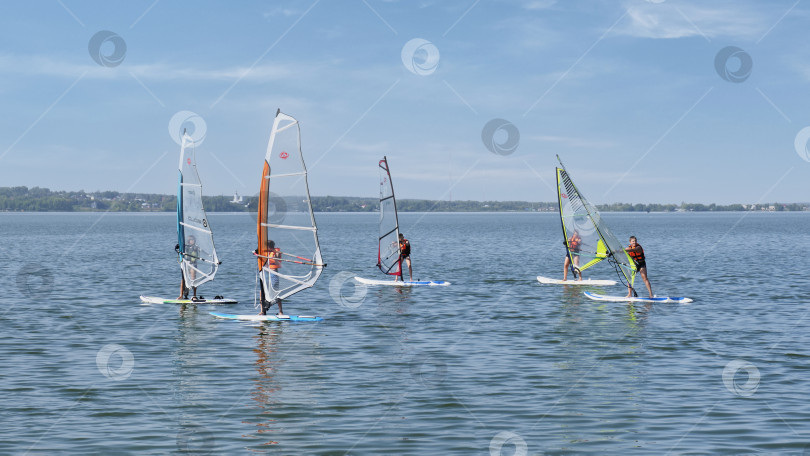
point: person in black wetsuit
(192, 254)
(637, 254)
(405, 255)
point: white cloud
(571, 142)
(48, 66)
(721, 19)
(280, 11)
(539, 4)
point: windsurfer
(273, 265)
(574, 245)
(637, 254)
(405, 255)
(191, 254)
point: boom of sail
(388, 254)
(285, 216)
(587, 238)
(196, 252)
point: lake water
(494, 364)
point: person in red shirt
(637, 254)
(574, 245)
(405, 254)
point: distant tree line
(38, 199)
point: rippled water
(494, 364)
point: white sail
(285, 216)
(197, 255)
(388, 253)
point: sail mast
(388, 254)
(568, 252)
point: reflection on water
(266, 388)
(189, 359)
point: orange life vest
(574, 243)
(638, 257)
(271, 263)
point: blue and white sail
(196, 252)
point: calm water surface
(494, 364)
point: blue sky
(643, 100)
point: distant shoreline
(23, 199)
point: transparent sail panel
(587, 238)
(286, 216)
(582, 239)
(198, 256)
(388, 258)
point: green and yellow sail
(587, 238)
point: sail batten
(388, 253)
(587, 239)
(289, 227)
(196, 228)
(196, 251)
(286, 175)
(285, 216)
